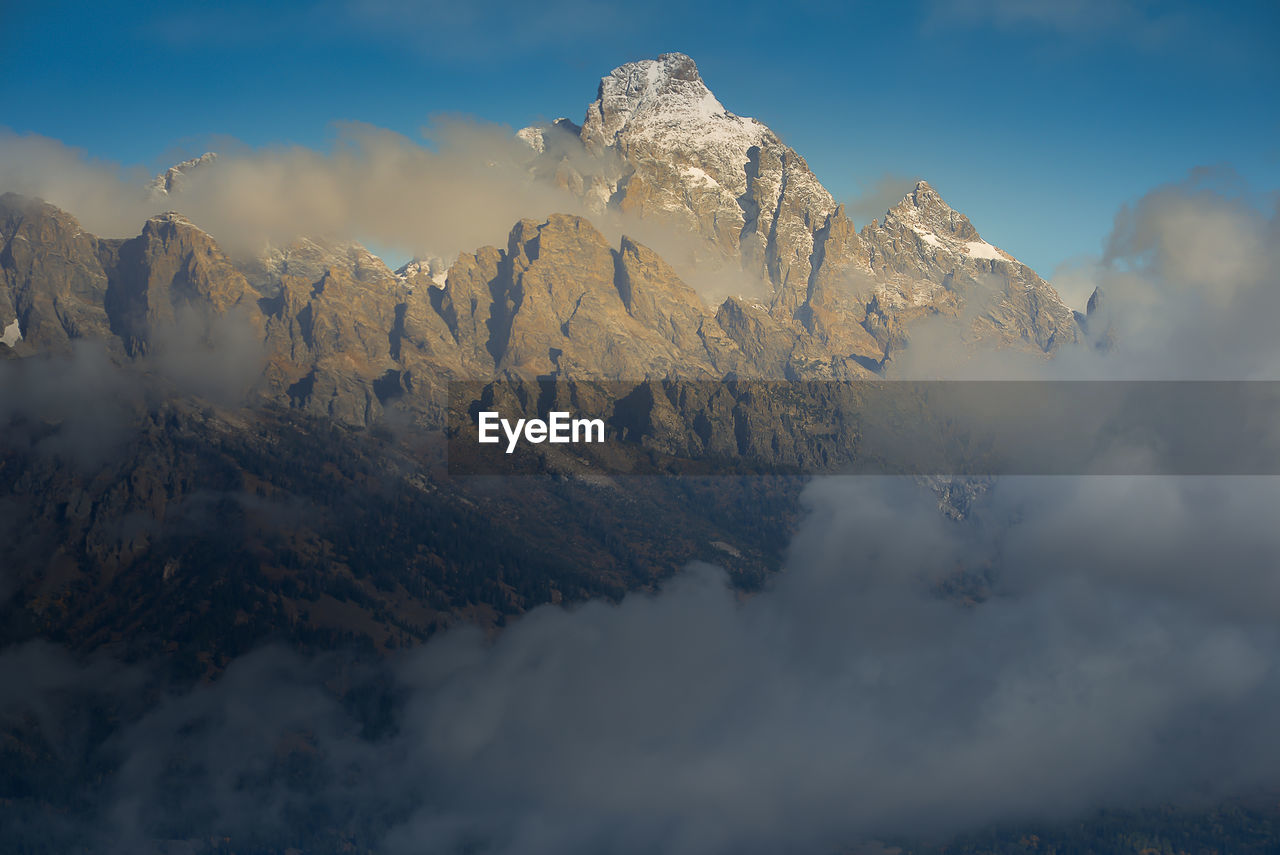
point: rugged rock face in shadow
(207, 532)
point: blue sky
(1038, 120)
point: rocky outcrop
(1095, 324)
(658, 300)
(834, 313)
(561, 300)
(173, 272)
(52, 284)
(344, 337)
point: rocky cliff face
(52, 285)
(565, 301)
(344, 337)
(59, 283)
(169, 273)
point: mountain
(324, 327)
(657, 144)
(346, 337)
(668, 149)
(318, 344)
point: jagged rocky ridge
(343, 336)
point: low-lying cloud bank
(80, 405)
(1106, 642)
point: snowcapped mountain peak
(921, 198)
(657, 98)
(674, 152)
(672, 77)
(532, 136)
(942, 235)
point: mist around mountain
(246, 609)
